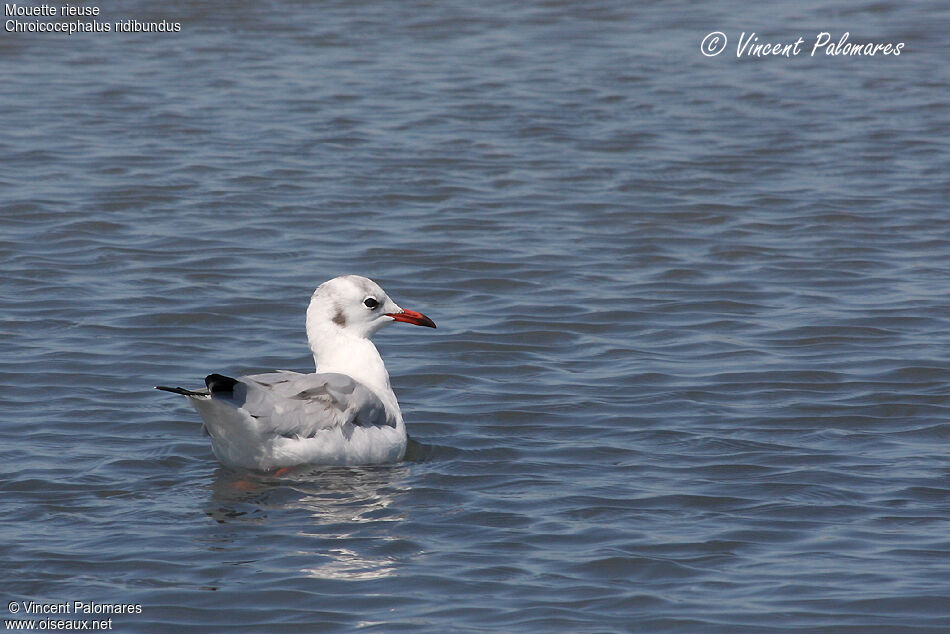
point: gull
(345, 413)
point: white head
(355, 306)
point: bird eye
(370, 302)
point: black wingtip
(220, 384)
(176, 390)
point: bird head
(357, 306)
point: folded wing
(300, 405)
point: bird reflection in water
(328, 514)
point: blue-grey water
(692, 367)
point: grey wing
(292, 404)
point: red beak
(412, 317)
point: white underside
(237, 441)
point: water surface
(690, 372)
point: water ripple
(690, 367)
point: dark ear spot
(339, 318)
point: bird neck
(336, 351)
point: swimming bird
(344, 413)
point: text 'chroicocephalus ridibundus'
(344, 413)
